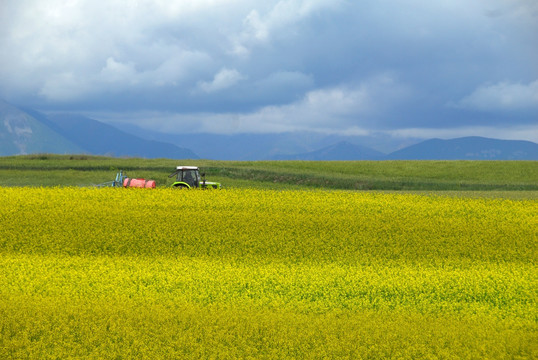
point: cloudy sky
(404, 68)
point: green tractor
(188, 177)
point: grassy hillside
(82, 170)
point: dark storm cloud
(270, 66)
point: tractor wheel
(181, 187)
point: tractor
(188, 177)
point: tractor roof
(187, 168)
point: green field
(82, 170)
(288, 261)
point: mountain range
(26, 131)
(340, 151)
(468, 148)
(465, 148)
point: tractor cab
(188, 177)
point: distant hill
(316, 146)
(101, 139)
(26, 131)
(21, 133)
(340, 151)
(468, 148)
(259, 146)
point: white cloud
(281, 80)
(259, 27)
(345, 104)
(255, 27)
(293, 64)
(329, 109)
(115, 71)
(340, 110)
(96, 46)
(523, 9)
(224, 79)
(63, 87)
(116, 77)
(502, 96)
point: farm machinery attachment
(122, 180)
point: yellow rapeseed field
(149, 274)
